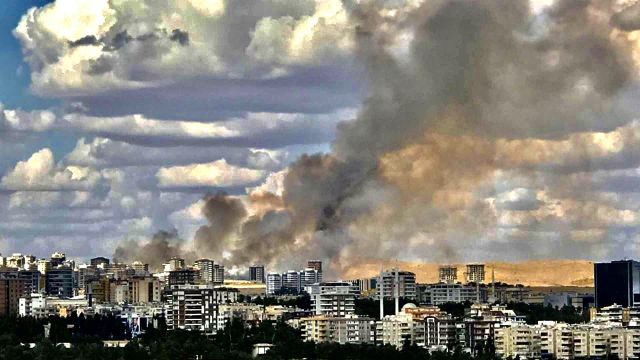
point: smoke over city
(482, 125)
(163, 246)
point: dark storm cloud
(87, 40)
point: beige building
(144, 290)
(397, 329)
(344, 330)
(518, 340)
(566, 342)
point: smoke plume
(161, 247)
(224, 214)
(470, 103)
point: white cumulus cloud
(216, 174)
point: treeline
(235, 342)
(64, 329)
(538, 312)
(302, 301)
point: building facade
(59, 281)
(474, 273)
(257, 274)
(274, 283)
(195, 307)
(406, 284)
(617, 282)
(448, 274)
(332, 299)
(343, 330)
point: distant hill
(529, 272)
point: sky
(131, 183)
(489, 138)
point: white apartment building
(441, 293)
(566, 342)
(344, 330)
(274, 283)
(310, 276)
(206, 269)
(195, 307)
(395, 330)
(40, 305)
(406, 284)
(333, 299)
(218, 274)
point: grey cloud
(86, 40)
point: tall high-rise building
(32, 279)
(406, 284)
(144, 290)
(59, 281)
(206, 268)
(448, 274)
(99, 261)
(291, 281)
(140, 268)
(310, 276)
(11, 290)
(43, 266)
(176, 263)
(617, 282)
(256, 273)
(332, 298)
(57, 259)
(218, 274)
(195, 307)
(274, 283)
(474, 273)
(182, 277)
(316, 265)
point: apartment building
(344, 330)
(406, 284)
(396, 330)
(518, 340)
(333, 299)
(195, 307)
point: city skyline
(320, 179)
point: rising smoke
(163, 246)
(452, 112)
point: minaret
(396, 289)
(381, 293)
